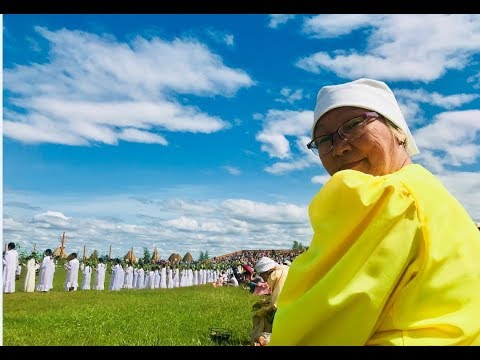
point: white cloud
(411, 111)
(135, 135)
(475, 79)
(229, 39)
(431, 161)
(281, 123)
(174, 224)
(453, 136)
(289, 97)
(253, 211)
(277, 126)
(221, 36)
(279, 19)
(257, 116)
(232, 170)
(434, 98)
(11, 224)
(329, 26)
(96, 89)
(399, 47)
(465, 186)
(320, 179)
(287, 166)
(52, 219)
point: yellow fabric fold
(393, 260)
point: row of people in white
(71, 280)
(166, 278)
(129, 278)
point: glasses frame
(366, 117)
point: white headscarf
(265, 264)
(368, 94)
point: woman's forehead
(337, 116)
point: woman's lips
(350, 165)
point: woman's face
(376, 152)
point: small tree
(203, 256)
(299, 246)
(94, 256)
(147, 257)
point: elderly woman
(274, 275)
(394, 256)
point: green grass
(160, 317)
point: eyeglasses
(349, 130)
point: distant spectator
(221, 280)
(232, 281)
(18, 272)
(254, 281)
(274, 275)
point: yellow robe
(394, 260)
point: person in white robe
(71, 279)
(112, 278)
(99, 275)
(116, 281)
(29, 284)
(195, 277)
(156, 277)
(169, 277)
(163, 277)
(51, 272)
(46, 272)
(3, 267)
(134, 280)
(121, 278)
(129, 277)
(10, 267)
(87, 277)
(141, 279)
(176, 279)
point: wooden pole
(110, 253)
(84, 246)
(63, 240)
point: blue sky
(187, 132)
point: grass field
(160, 317)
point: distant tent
(131, 257)
(58, 252)
(188, 257)
(155, 256)
(175, 258)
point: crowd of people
(126, 275)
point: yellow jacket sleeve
(366, 233)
